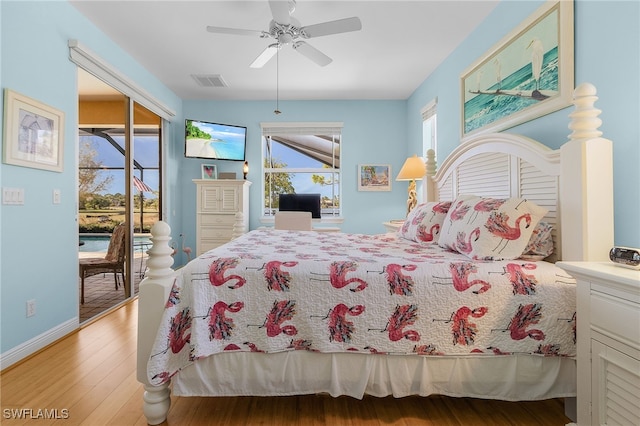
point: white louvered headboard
(503, 165)
(574, 183)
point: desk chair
(293, 221)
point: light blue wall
(374, 132)
(38, 250)
(39, 240)
(607, 54)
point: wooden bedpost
(152, 297)
(586, 185)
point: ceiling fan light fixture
(285, 39)
(287, 30)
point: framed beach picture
(33, 133)
(528, 74)
(209, 171)
(374, 177)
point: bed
(437, 308)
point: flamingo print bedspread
(273, 290)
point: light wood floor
(89, 378)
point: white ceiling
(400, 44)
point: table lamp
(412, 169)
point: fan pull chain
(277, 110)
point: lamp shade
(413, 168)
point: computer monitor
(301, 203)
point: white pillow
(540, 245)
(424, 222)
(490, 228)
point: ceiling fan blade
(236, 31)
(312, 53)
(264, 57)
(332, 27)
(282, 10)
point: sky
(145, 152)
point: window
(429, 140)
(302, 158)
(429, 132)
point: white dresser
(608, 343)
(222, 211)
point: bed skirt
(507, 377)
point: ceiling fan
(287, 30)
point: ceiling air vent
(209, 80)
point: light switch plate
(13, 196)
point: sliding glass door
(119, 181)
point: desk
(314, 228)
(325, 229)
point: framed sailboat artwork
(527, 74)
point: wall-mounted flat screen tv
(214, 141)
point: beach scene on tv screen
(210, 140)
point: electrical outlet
(31, 307)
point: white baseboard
(31, 346)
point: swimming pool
(100, 243)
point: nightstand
(608, 342)
(393, 225)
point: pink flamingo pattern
(399, 283)
(253, 347)
(277, 279)
(498, 225)
(221, 326)
(338, 279)
(485, 205)
(367, 304)
(179, 336)
(417, 219)
(403, 316)
(219, 267)
(174, 296)
(426, 236)
(426, 350)
(522, 282)
(548, 350)
(441, 207)
(464, 244)
(281, 311)
(526, 316)
(340, 328)
(571, 321)
(300, 345)
(459, 211)
(462, 329)
(460, 272)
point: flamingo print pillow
(490, 228)
(424, 222)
